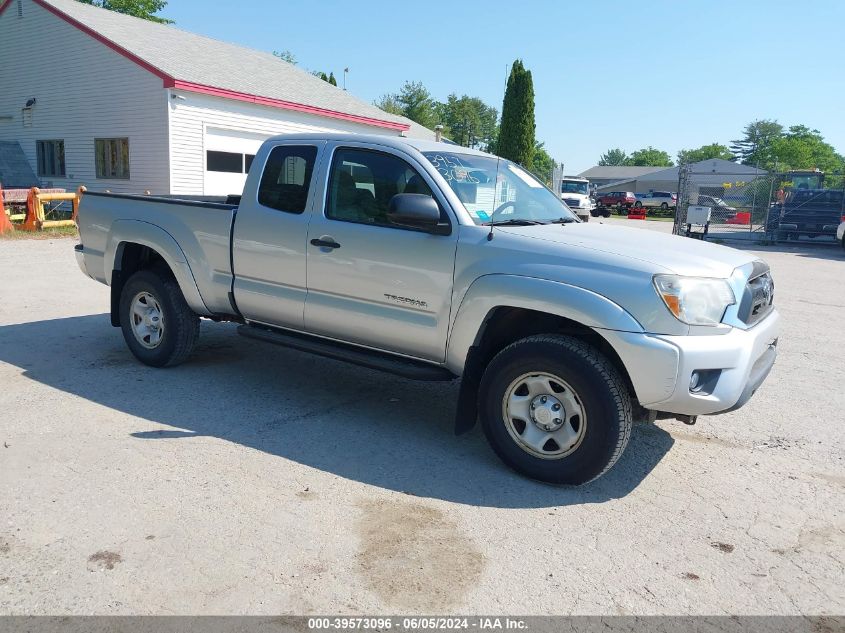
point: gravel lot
(260, 480)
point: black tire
(619, 207)
(180, 325)
(638, 205)
(598, 388)
(605, 213)
(664, 206)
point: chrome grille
(758, 297)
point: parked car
(657, 199)
(809, 212)
(721, 210)
(434, 261)
(616, 199)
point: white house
(114, 102)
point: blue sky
(606, 73)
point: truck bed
(198, 230)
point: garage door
(228, 156)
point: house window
(50, 156)
(112, 158)
(229, 162)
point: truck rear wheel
(555, 409)
(158, 326)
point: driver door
(371, 282)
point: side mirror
(414, 210)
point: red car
(618, 199)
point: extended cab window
(287, 178)
(363, 182)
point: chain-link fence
(750, 203)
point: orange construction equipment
(636, 216)
(35, 200)
(6, 225)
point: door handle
(326, 242)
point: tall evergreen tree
(332, 80)
(517, 133)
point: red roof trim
(171, 82)
(285, 105)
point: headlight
(695, 300)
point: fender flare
(493, 291)
(156, 238)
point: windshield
(496, 188)
(569, 186)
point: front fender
(159, 240)
(500, 290)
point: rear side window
(287, 178)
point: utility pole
(345, 72)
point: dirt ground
(259, 480)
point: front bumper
(743, 359)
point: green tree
(613, 157)
(544, 164)
(331, 79)
(705, 152)
(650, 157)
(468, 121)
(517, 132)
(803, 148)
(412, 101)
(755, 146)
(286, 56)
(390, 104)
(145, 9)
(320, 74)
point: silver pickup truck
(438, 262)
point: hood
(666, 253)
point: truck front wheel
(555, 409)
(158, 326)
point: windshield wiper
(563, 221)
(513, 222)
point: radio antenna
(495, 185)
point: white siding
(84, 90)
(191, 117)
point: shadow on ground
(355, 423)
(819, 248)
